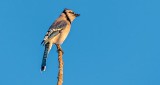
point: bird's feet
(59, 48)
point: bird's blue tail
(46, 51)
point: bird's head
(70, 14)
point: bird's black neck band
(67, 17)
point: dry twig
(60, 59)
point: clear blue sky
(113, 42)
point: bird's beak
(77, 15)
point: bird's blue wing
(55, 29)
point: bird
(57, 33)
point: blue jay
(57, 33)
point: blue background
(113, 42)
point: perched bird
(57, 33)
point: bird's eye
(71, 12)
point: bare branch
(60, 59)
